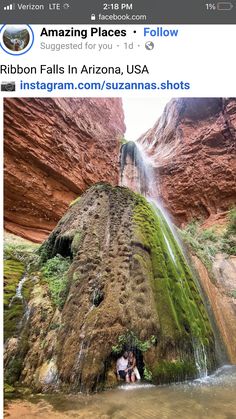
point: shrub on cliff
(229, 237)
(203, 243)
(54, 272)
(206, 243)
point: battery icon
(225, 5)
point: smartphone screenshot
(118, 123)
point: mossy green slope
(13, 307)
(18, 258)
(179, 305)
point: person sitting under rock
(132, 370)
(122, 367)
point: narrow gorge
(116, 245)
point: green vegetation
(19, 259)
(55, 273)
(171, 371)
(22, 252)
(74, 201)
(123, 141)
(76, 242)
(203, 243)
(14, 366)
(206, 243)
(13, 272)
(229, 237)
(130, 340)
(233, 293)
(8, 389)
(147, 374)
(13, 307)
(180, 308)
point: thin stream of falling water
(151, 192)
(169, 249)
(19, 288)
(200, 358)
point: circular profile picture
(16, 39)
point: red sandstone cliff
(53, 150)
(193, 145)
(220, 295)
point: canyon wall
(193, 146)
(220, 293)
(54, 149)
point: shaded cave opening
(62, 246)
(112, 359)
(97, 297)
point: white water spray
(19, 288)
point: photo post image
(118, 125)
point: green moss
(13, 307)
(54, 326)
(123, 141)
(25, 253)
(14, 366)
(233, 293)
(74, 201)
(173, 371)
(76, 242)
(55, 273)
(178, 302)
(8, 389)
(13, 272)
(13, 370)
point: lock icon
(93, 17)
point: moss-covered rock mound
(112, 277)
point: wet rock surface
(122, 290)
(54, 149)
(193, 145)
(221, 293)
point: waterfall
(137, 173)
(200, 358)
(169, 249)
(19, 288)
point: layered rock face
(221, 294)
(124, 289)
(134, 171)
(193, 146)
(53, 150)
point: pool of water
(211, 397)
